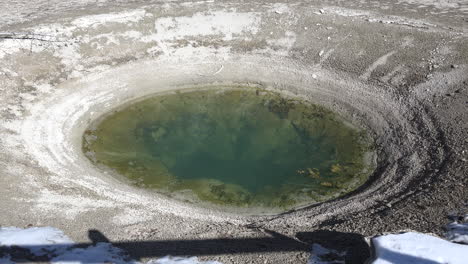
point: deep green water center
(232, 147)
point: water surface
(236, 147)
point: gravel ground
(398, 73)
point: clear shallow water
(240, 147)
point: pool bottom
(235, 147)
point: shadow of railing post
(97, 237)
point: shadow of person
(354, 246)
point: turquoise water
(232, 146)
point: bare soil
(400, 74)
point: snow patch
(53, 243)
(47, 237)
(10, 236)
(417, 248)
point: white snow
(457, 232)
(48, 237)
(417, 248)
(42, 241)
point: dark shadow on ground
(356, 249)
(349, 248)
(273, 242)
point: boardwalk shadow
(273, 242)
(349, 248)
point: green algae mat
(232, 147)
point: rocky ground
(397, 68)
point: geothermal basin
(235, 146)
(352, 116)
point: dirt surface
(401, 74)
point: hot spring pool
(232, 147)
